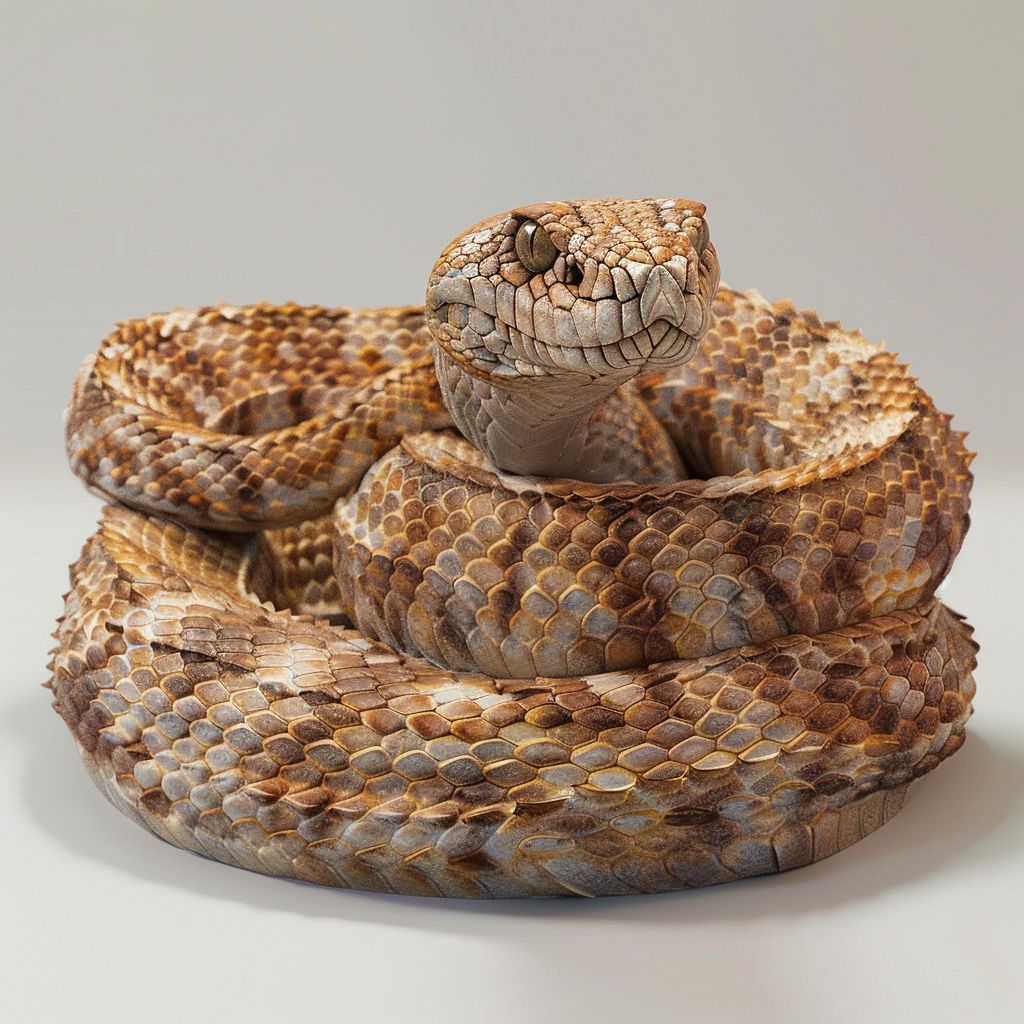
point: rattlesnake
(653, 616)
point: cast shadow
(967, 814)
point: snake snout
(664, 297)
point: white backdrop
(864, 160)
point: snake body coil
(660, 614)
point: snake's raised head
(540, 313)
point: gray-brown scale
(590, 577)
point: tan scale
(320, 634)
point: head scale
(571, 300)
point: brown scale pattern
(295, 565)
(244, 417)
(439, 555)
(554, 686)
(282, 745)
(776, 399)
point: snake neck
(539, 427)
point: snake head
(591, 290)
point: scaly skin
(527, 362)
(554, 686)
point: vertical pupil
(534, 248)
(530, 239)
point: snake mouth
(510, 353)
(653, 318)
(658, 345)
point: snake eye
(534, 248)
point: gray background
(862, 159)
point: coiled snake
(657, 614)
